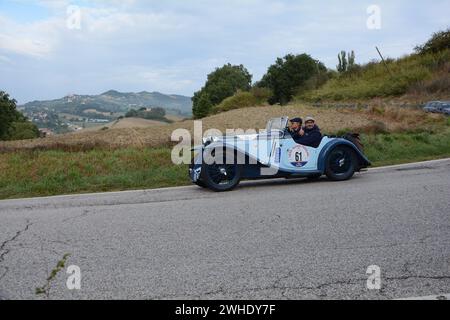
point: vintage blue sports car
(222, 162)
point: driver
(296, 128)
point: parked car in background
(438, 107)
(444, 108)
(431, 106)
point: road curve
(277, 239)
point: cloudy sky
(51, 48)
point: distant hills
(113, 101)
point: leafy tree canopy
(12, 122)
(221, 84)
(439, 41)
(288, 75)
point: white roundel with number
(298, 156)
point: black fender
(321, 161)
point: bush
(243, 99)
(262, 95)
(23, 130)
(239, 100)
(439, 41)
(157, 113)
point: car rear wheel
(222, 175)
(341, 163)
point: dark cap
(299, 120)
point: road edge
(194, 187)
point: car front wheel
(341, 163)
(222, 175)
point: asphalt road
(278, 239)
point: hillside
(112, 102)
(415, 76)
(126, 123)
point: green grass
(46, 173)
(395, 148)
(243, 99)
(419, 73)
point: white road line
(410, 164)
(436, 297)
(103, 193)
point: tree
(131, 113)
(220, 84)
(346, 61)
(8, 114)
(351, 60)
(288, 75)
(202, 105)
(439, 41)
(342, 66)
(12, 122)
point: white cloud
(101, 23)
(172, 45)
(36, 39)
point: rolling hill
(113, 101)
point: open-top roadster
(222, 162)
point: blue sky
(170, 46)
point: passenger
(296, 127)
(310, 135)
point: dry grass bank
(377, 117)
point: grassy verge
(45, 173)
(396, 148)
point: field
(127, 123)
(136, 158)
(378, 116)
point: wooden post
(384, 62)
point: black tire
(222, 177)
(201, 184)
(341, 163)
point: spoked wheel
(341, 163)
(222, 175)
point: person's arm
(311, 140)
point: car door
(295, 157)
